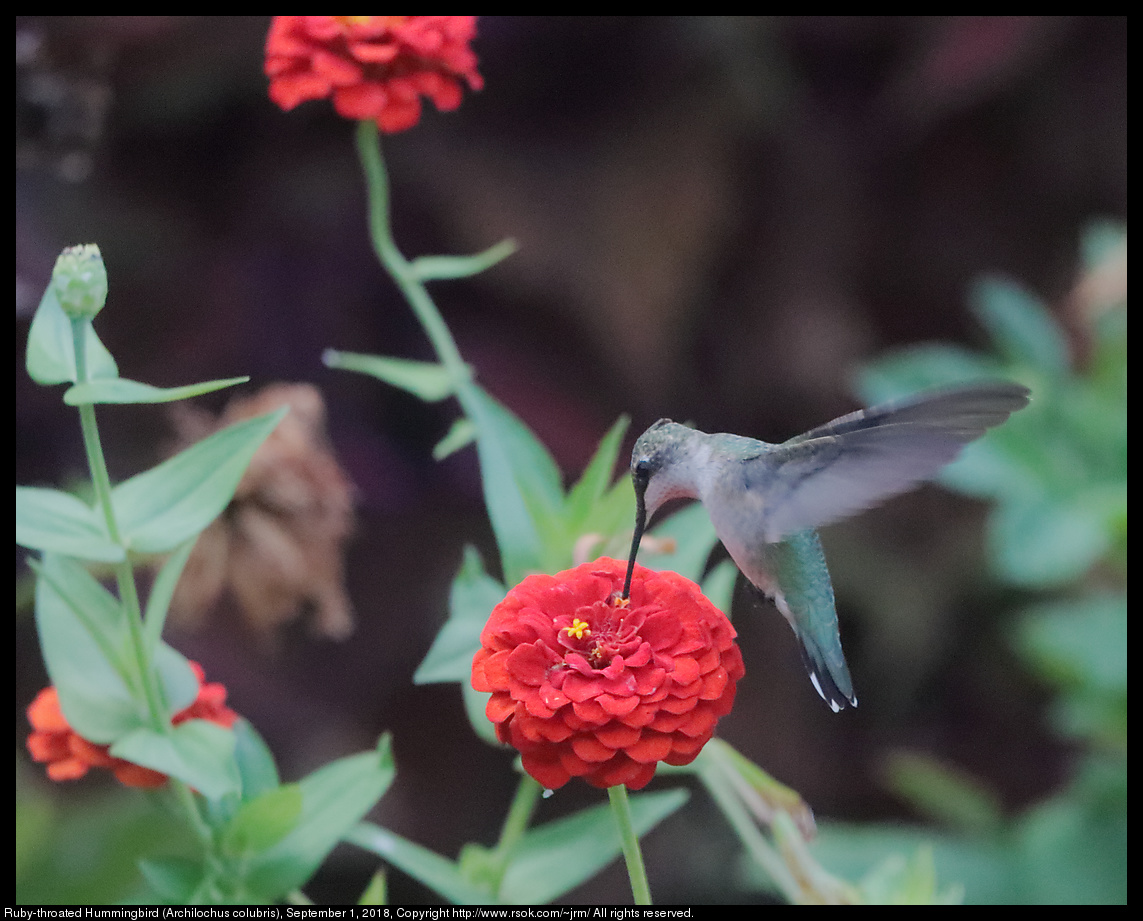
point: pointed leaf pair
(50, 356)
(156, 510)
(85, 640)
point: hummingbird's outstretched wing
(868, 456)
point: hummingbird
(767, 500)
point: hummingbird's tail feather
(793, 573)
(829, 675)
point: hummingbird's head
(660, 467)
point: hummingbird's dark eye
(642, 470)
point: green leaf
(334, 798)
(921, 367)
(475, 708)
(428, 380)
(554, 858)
(120, 390)
(1074, 851)
(84, 640)
(256, 767)
(522, 489)
(997, 465)
(439, 268)
(610, 521)
(1079, 642)
(159, 509)
(180, 683)
(460, 435)
(50, 356)
(871, 852)
(197, 752)
(162, 590)
(1080, 646)
(897, 881)
(57, 522)
(1102, 241)
(263, 821)
(450, 656)
(377, 892)
(439, 873)
(593, 486)
(473, 595)
(1022, 328)
(1040, 541)
(173, 879)
(949, 796)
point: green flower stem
(636, 872)
(190, 807)
(516, 823)
(144, 677)
(377, 181)
(91, 443)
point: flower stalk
(515, 824)
(400, 269)
(629, 840)
(143, 677)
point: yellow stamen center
(579, 629)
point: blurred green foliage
(120, 685)
(1057, 475)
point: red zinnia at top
(374, 67)
(587, 684)
(70, 756)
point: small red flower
(588, 685)
(374, 67)
(69, 756)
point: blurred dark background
(719, 220)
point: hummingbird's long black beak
(640, 524)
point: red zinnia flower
(588, 685)
(69, 756)
(374, 67)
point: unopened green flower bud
(80, 281)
